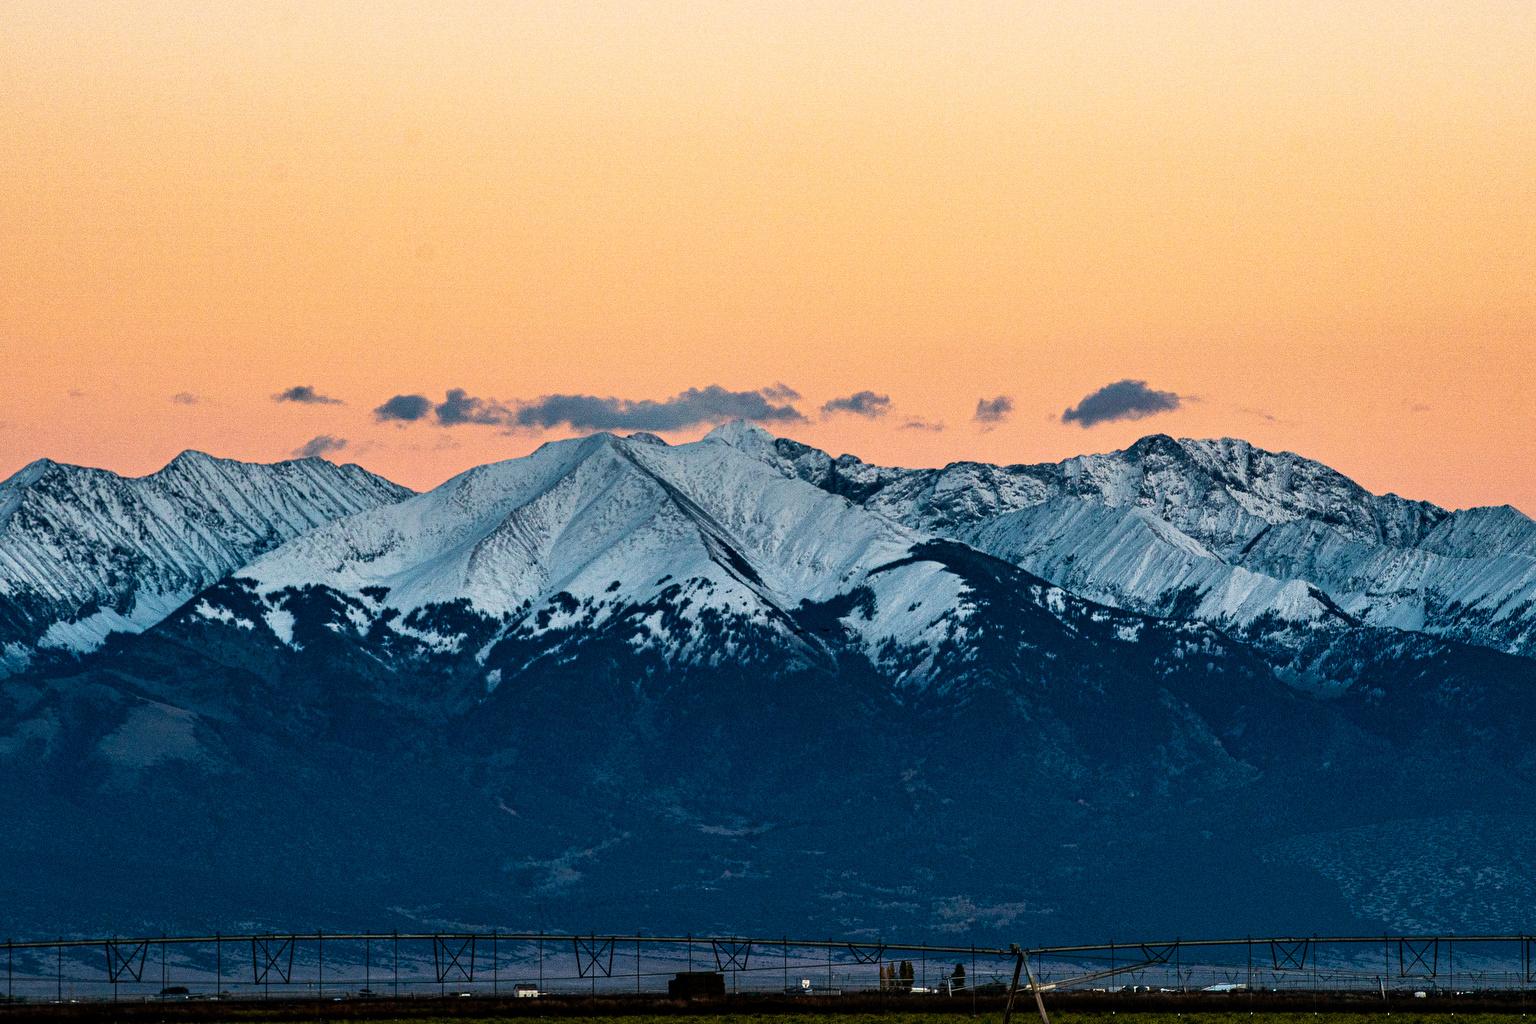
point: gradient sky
(1312, 222)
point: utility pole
(1035, 986)
(1013, 987)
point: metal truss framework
(1289, 954)
(594, 956)
(126, 958)
(272, 954)
(472, 958)
(1418, 958)
(731, 954)
(453, 957)
(867, 954)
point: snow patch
(280, 622)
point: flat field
(981, 1018)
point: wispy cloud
(186, 398)
(917, 423)
(780, 392)
(304, 394)
(459, 407)
(1263, 414)
(992, 411)
(1122, 400)
(323, 444)
(861, 403)
(712, 404)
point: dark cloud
(305, 395)
(712, 404)
(993, 410)
(324, 444)
(1122, 400)
(460, 407)
(921, 424)
(860, 403)
(404, 409)
(780, 392)
(186, 398)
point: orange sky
(1313, 220)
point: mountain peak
(29, 473)
(192, 457)
(1163, 443)
(97, 552)
(741, 434)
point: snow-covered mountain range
(718, 683)
(85, 552)
(1220, 531)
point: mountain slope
(1219, 530)
(696, 552)
(85, 552)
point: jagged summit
(1217, 529)
(743, 434)
(194, 456)
(611, 525)
(86, 552)
(26, 474)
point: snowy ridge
(588, 529)
(667, 544)
(698, 553)
(1218, 530)
(86, 552)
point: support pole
(1013, 987)
(1034, 986)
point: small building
(525, 991)
(697, 985)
